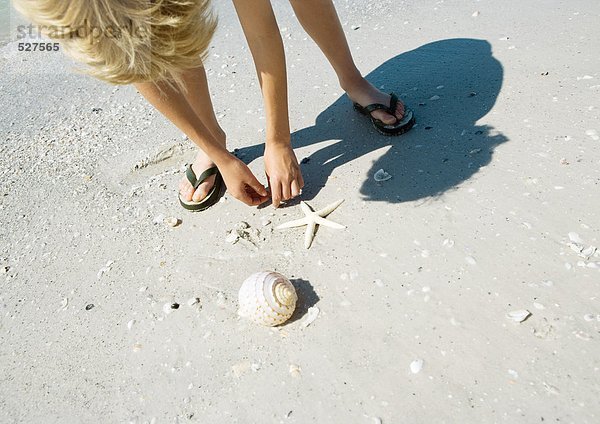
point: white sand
(473, 225)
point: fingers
(254, 193)
(249, 196)
(258, 187)
(276, 195)
(295, 188)
(282, 190)
(286, 193)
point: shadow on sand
(307, 298)
(445, 148)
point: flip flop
(213, 195)
(401, 125)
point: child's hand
(283, 172)
(241, 182)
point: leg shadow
(450, 85)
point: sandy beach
(493, 207)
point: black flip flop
(400, 127)
(213, 195)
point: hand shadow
(445, 148)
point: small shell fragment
(551, 389)
(381, 175)
(193, 301)
(130, 324)
(239, 369)
(63, 304)
(588, 252)
(295, 370)
(232, 237)
(519, 316)
(310, 317)
(448, 243)
(416, 366)
(172, 221)
(242, 225)
(574, 237)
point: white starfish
(312, 219)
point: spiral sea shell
(267, 298)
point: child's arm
(240, 181)
(264, 39)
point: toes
(200, 193)
(400, 110)
(385, 117)
(203, 190)
(187, 193)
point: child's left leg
(319, 19)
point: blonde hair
(128, 41)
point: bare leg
(173, 104)
(319, 19)
(198, 97)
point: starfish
(312, 219)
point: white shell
(519, 316)
(381, 175)
(416, 366)
(267, 298)
(172, 221)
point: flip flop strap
(376, 106)
(195, 182)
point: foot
(364, 93)
(201, 164)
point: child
(159, 45)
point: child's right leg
(198, 96)
(197, 99)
